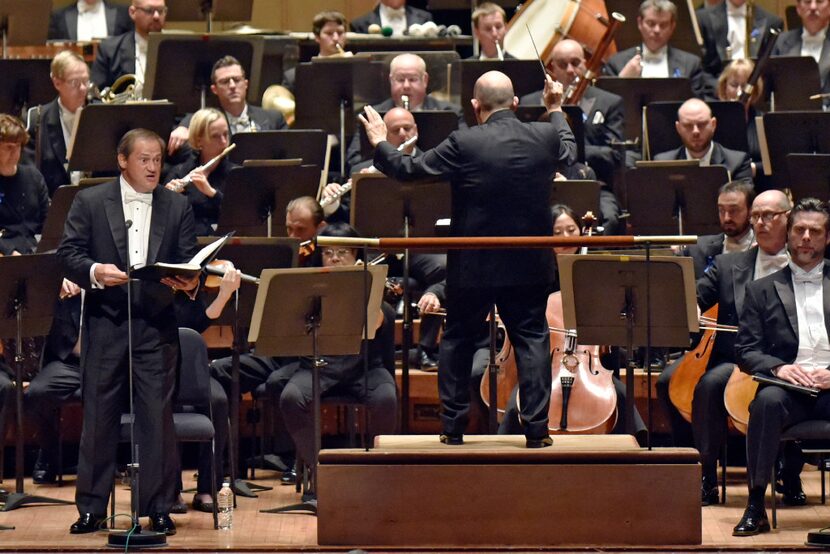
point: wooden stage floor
(45, 528)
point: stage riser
(522, 504)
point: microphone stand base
(140, 538)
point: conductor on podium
(500, 173)
(127, 222)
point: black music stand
(100, 126)
(809, 175)
(311, 311)
(384, 207)
(24, 22)
(250, 255)
(433, 127)
(666, 199)
(52, 232)
(660, 134)
(644, 302)
(186, 83)
(310, 145)
(25, 83)
(524, 74)
(580, 196)
(27, 298)
(794, 133)
(574, 115)
(210, 11)
(638, 93)
(792, 80)
(253, 195)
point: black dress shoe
(178, 507)
(87, 523)
(753, 522)
(708, 491)
(289, 477)
(201, 506)
(792, 492)
(162, 523)
(452, 439)
(42, 473)
(542, 442)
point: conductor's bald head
(493, 91)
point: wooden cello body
(690, 369)
(740, 390)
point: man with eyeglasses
(126, 53)
(696, 127)
(86, 20)
(783, 332)
(53, 122)
(230, 85)
(810, 39)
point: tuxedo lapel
(742, 273)
(115, 216)
(824, 62)
(721, 31)
(127, 54)
(54, 129)
(784, 289)
(158, 223)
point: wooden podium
(412, 491)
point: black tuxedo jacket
(704, 252)
(266, 120)
(789, 44)
(63, 24)
(738, 163)
(768, 330)
(413, 15)
(681, 64)
(95, 232)
(49, 137)
(714, 29)
(500, 173)
(116, 57)
(725, 285)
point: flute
(204, 167)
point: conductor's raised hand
(552, 95)
(109, 275)
(374, 125)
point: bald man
(500, 173)
(696, 126)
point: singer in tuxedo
(127, 222)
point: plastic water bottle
(224, 504)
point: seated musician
(811, 39)
(53, 129)
(304, 218)
(408, 82)
(730, 84)
(603, 122)
(329, 29)
(202, 183)
(392, 14)
(723, 28)
(656, 58)
(230, 85)
(489, 27)
(24, 198)
(783, 333)
(725, 284)
(85, 20)
(126, 53)
(696, 127)
(345, 375)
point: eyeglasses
(225, 81)
(152, 11)
(341, 252)
(766, 217)
(77, 83)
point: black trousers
(55, 384)
(681, 430)
(522, 309)
(709, 416)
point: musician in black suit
(394, 14)
(489, 27)
(96, 249)
(230, 85)
(656, 58)
(723, 28)
(85, 20)
(24, 199)
(811, 39)
(53, 130)
(696, 126)
(500, 173)
(783, 332)
(127, 53)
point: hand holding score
(374, 125)
(109, 275)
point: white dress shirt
(766, 264)
(813, 344)
(92, 20)
(241, 124)
(811, 45)
(140, 64)
(736, 35)
(707, 157)
(655, 64)
(396, 19)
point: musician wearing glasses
(52, 123)
(783, 332)
(85, 20)
(201, 177)
(230, 85)
(126, 53)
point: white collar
(707, 157)
(83, 7)
(817, 270)
(390, 13)
(735, 11)
(657, 55)
(140, 42)
(818, 37)
(234, 118)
